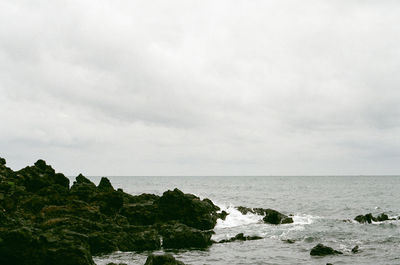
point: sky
(201, 87)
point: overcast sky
(201, 87)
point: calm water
(319, 205)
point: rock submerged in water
(44, 221)
(368, 218)
(270, 216)
(322, 250)
(165, 259)
(240, 237)
(355, 249)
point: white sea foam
(304, 219)
(236, 218)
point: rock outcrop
(240, 237)
(368, 218)
(270, 216)
(165, 259)
(45, 221)
(322, 250)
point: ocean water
(319, 205)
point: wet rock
(368, 218)
(44, 221)
(240, 237)
(355, 249)
(270, 216)
(222, 215)
(187, 209)
(165, 259)
(275, 217)
(246, 210)
(290, 241)
(182, 236)
(322, 250)
(382, 217)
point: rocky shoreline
(45, 220)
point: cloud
(201, 88)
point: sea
(323, 208)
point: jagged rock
(165, 259)
(270, 216)
(41, 175)
(105, 185)
(240, 237)
(187, 209)
(140, 213)
(368, 218)
(275, 217)
(44, 221)
(83, 189)
(322, 250)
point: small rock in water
(355, 249)
(368, 218)
(290, 241)
(275, 217)
(222, 215)
(322, 250)
(240, 237)
(166, 259)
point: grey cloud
(243, 87)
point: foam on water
(304, 219)
(236, 218)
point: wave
(236, 218)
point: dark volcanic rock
(222, 215)
(275, 217)
(165, 259)
(187, 209)
(44, 221)
(355, 249)
(182, 236)
(368, 218)
(240, 237)
(321, 250)
(105, 185)
(271, 216)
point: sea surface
(319, 205)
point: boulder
(179, 236)
(322, 250)
(275, 217)
(187, 209)
(165, 259)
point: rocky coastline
(46, 220)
